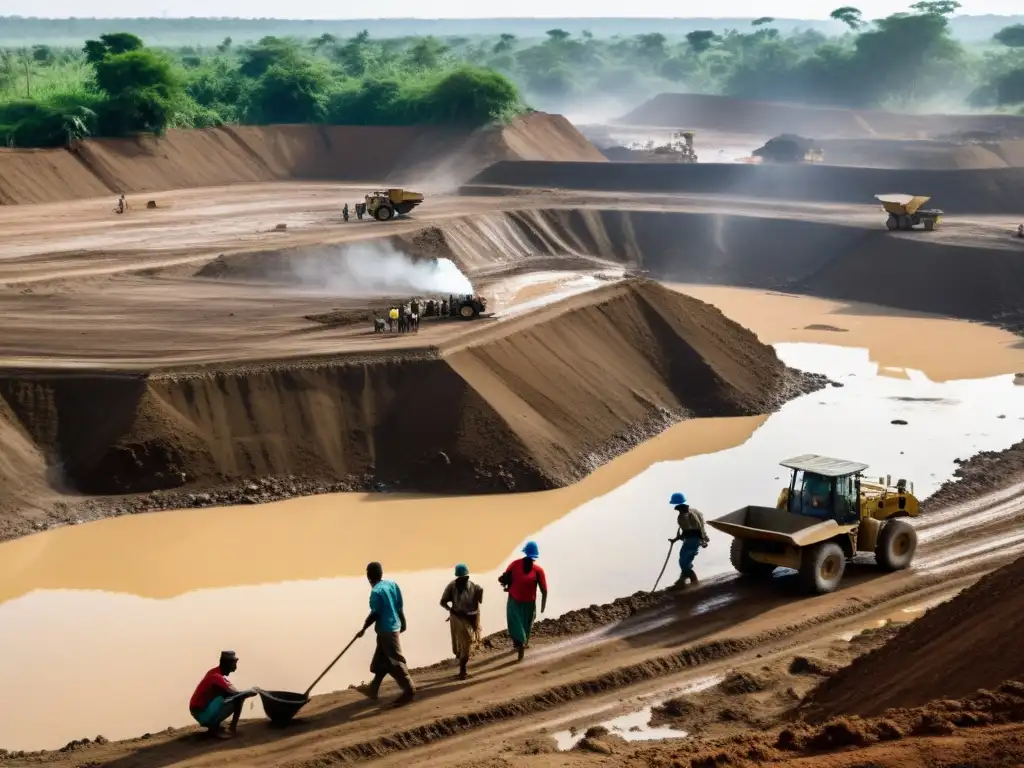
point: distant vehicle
(471, 306)
(826, 515)
(905, 212)
(386, 204)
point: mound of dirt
(722, 113)
(525, 404)
(1000, 190)
(234, 154)
(968, 643)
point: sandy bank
(528, 404)
(235, 154)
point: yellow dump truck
(827, 514)
(905, 212)
(386, 204)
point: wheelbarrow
(281, 706)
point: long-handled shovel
(282, 706)
(665, 565)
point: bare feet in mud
(368, 691)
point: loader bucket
(778, 525)
(902, 204)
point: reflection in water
(153, 598)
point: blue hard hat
(531, 550)
(677, 498)
(461, 570)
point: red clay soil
(523, 404)
(234, 154)
(722, 113)
(968, 643)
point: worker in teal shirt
(387, 616)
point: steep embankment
(921, 273)
(999, 190)
(925, 155)
(235, 154)
(523, 405)
(956, 648)
(722, 113)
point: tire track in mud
(685, 659)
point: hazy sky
(321, 9)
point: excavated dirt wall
(971, 642)
(993, 191)
(722, 113)
(237, 154)
(530, 404)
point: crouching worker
(693, 535)
(462, 598)
(215, 699)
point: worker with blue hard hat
(691, 533)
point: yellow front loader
(826, 515)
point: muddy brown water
(104, 609)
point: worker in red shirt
(215, 699)
(521, 580)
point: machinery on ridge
(826, 515)
(905, 212)
(386, 204)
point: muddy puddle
(150, 600)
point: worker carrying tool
(387, 616)
(215, 699)
(462, 598)
(692, 534)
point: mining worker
(462, 598)
(521, 580)
(392, 318)
(387, 616)
(1020, 230)
(215, 699)
(122, 205)
(344, 211)
(693, 535)
(444, 308)
(360, 210)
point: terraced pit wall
(531, 404)
(988, 191)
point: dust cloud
(378, 269)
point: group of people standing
(406, 317)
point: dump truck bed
(772, 524)
(902, 204)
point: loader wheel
(897, 543)
(384, 213)
(743, 563)
(892, 222)
(929, 224)
(822, 567)
(467, 312)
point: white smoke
(378, 269)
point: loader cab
(824, 488)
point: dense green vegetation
(115, 85)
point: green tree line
(116, 86)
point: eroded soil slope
(971, 642)
(522, 404)
(234, 154)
